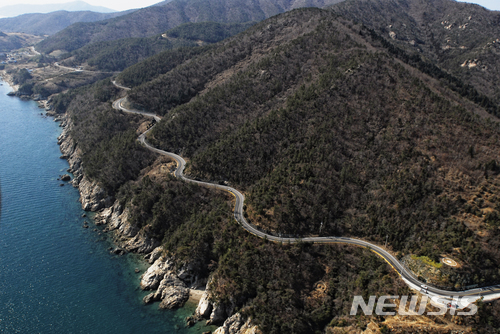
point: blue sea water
(55, 275)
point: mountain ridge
(51, 23)
(247, 106)
(158, 19)
(12, 41)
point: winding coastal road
(464, 297)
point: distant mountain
(15, 10)
(51, 23)
(158, 19)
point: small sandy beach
(195, 295)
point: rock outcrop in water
(150, 280)
(204, 308)
(170, 289)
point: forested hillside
(461, 38)
(328, 127)
(158, 19)
(120, 54)
(208, 32)
(327, 130)
(107, 139)
(157, 65)
(293, 289)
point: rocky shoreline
(42, 103)
(170, 287)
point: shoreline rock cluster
(170, 287)
(171, 291)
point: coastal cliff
(92, 196)
(170, 286)
(238, 324)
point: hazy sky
(116, 4)
(112, 4)
(490, 4)
(128, 4)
